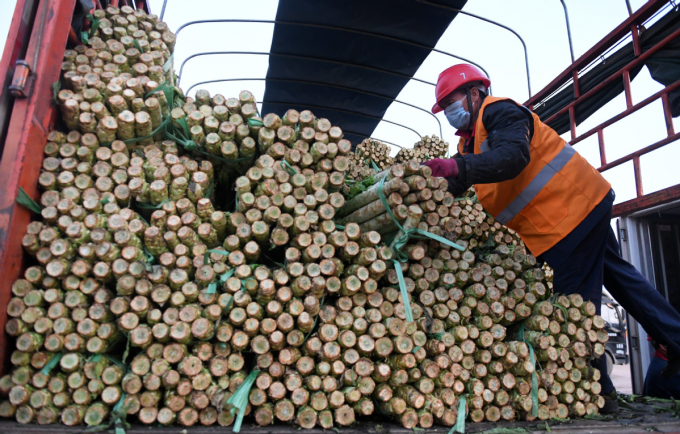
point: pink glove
(443, 168)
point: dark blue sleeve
(506, 153)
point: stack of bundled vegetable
(369, 157)
(424, 150)
(194, 263)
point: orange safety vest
(550, 197)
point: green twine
(51, 364)
(534, 377)
(25, 200)
(239, 400)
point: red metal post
(572, 122)
(638, 176)
(637, 50)
(644, 12)
(667, 114)
(600, 142)
(20, 165)
(577, 87)
(616, 75)
(626, 88)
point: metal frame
(566, 18)
(323, 26)
(629, 26)
(490, 21)
(30, 120)
(297, 56)
(361, 32)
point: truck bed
(642, 415)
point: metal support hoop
(295, 56)
(526, 54)
(566, 18)
(342, 29)
(335, 86)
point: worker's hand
(444, 168)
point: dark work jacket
(510, 129)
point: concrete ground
(621, 378)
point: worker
(532, 181)
(655, 384)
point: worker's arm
(510, 129)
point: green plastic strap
(56, 87)
(206, 258)
(252, 122)
(137, 46)
(341, 227)
(51, 364)
(534, 377)
(415, 349)
(95, 24)
(168, 63)
(402, 288)
(239, 400)
(105, 200)
(288, 168)
(149, 259)
(95, 358)
(563, 309)
(185, 126)
(375, 166)
(437, 336)
(25, 200)
(127, 350)
(115, 361)
(459, 427)
(84, 37)
(315, 321)
(410, 232)
(190, 145)
(119, 415)
(167, 88)
(212, 288)
(160, 128)
(142, 205)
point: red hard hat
(454, 77)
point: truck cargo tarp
(664, 67)
(326, 56)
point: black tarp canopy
(356, 75)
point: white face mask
(457, 116)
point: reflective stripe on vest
(536, 185)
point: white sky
(540, 22)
